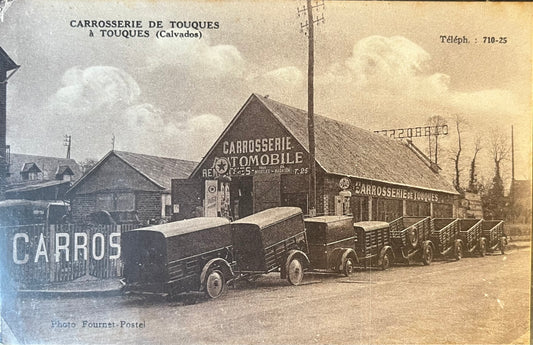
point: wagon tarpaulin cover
(261, 240)
(153, 254)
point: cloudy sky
(379, 65)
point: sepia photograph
(265, 172)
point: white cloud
(99, 102)
(197, 57)
(289, 76)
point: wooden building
(126, 181)
(261, 160)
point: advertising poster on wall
(138, 139)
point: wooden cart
(166, 259)
(411, 239)
(445, 237)
(471, 233)
(494, 234)
(271, 240)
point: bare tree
(494, 200)
(457, 155)
(499, 149)
(473, 184)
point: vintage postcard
(265, 172)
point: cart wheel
(482, 247)
(385, 262)
(215, 284)
(502, 245)
(295, 273)
(427, 255)
(458, 250)
(412, 237)
(347, 267)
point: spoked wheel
(348, 269)
(386, 261)
(215, 284)
(482, 247)
(427, 255)
(412, 237)
(458, 250)
(295, 272)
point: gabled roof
(64, 170)
(30, 167)
(6, 63)
(347, 150)
(344, 149)
(159, 170)
(47, 165)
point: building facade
(128, 182)
(261, 160)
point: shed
(127, 181)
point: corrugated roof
(344, 149)
(160, 170)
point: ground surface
(472, 301)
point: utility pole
(512, 154)
(67, 142)
(308, 29)
(113, 142)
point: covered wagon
(271, 240)
(192, 254)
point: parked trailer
(331, 243)
(471, 233)
(188, 255)
(373, 244)
(494, 234)
(271, 240)
(411, 239)
(336, 244)
(445, 237)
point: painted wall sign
(376, 189)
(257, 156)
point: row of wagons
(207, 253)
